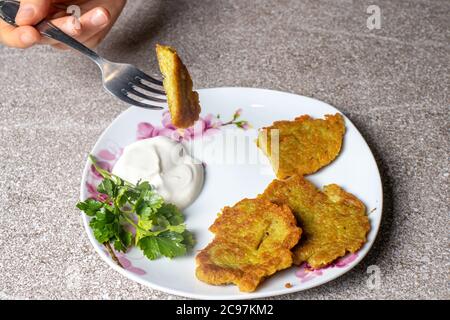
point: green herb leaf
(171, 213)
(188, 239)
(169, 244)
(121, 199)
(150, 248)
(90, 206)
(144, 226)
(123, 240)
(104, 225)
(160, 229)
(107, 186)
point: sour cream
(166, 165)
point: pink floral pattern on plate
(205, 126)
(106, 160)
(306, 273)
(127, 264)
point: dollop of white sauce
(166, 165)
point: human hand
(97, 18)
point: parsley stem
(144, 231)
(112, 253)
(130, 221)
(106, 174)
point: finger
(93, 22)
(96, 39)
(69, 25)
(93, 31)
(89, 24)
(114, 10)
(57, 14)
(32, 11)
(20, 37)
(92, 42)
(60, 46)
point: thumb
(32, 11)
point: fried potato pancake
(334, 221)
(304, 145)
(253, 240)
(183, 103)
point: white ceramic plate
(231, 176)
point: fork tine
(141, 95)
(147, 88)
(148, 78)
(136, 103)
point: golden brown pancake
(252, 240)
(304, 145)
(333, 221)
(183, 103)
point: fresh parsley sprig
(160, 228)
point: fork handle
(48, 29)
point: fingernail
(26, 11)
(99, 18)
(27, 39)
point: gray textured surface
(393, 83)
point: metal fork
(124, 81)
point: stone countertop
(393, 83)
